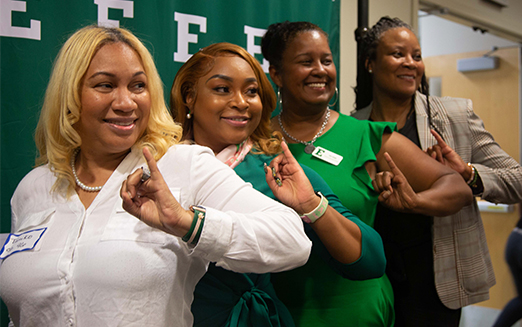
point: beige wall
(504, 22)
(404, 9)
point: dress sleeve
(501, 175)
(370, 145)
(244, 231)
(372, 262)
(375, 132)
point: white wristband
(318, 212)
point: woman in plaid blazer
(437, 264)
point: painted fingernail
(277, 179)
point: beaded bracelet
(318, 212)
(192, 236)
(474, 176)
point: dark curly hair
(279, 35)
(368, 49)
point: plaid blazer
(463, 270)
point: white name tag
(21, 242)
(327, 155)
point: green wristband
(192, 236)
(191, 230)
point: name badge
(327, 155)
(21, 242)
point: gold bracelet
(474, 176)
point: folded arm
(428, 187)
(243, 231)
(500, 174)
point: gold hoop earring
(336, 97)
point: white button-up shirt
(101, 266)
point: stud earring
(370, 71)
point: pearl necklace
(309, 146)
(78, 182)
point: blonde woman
(75, 256)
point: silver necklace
(78, 182)
(309, 146)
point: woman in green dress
(351, 157)
(224, 101)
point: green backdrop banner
(32, 31)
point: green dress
(314, 295)
(225, 298)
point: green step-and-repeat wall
(32, 32)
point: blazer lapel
(423, 128)
(438, 118)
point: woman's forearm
(340, 236)
(445, 197)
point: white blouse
(101, 266)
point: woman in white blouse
(75, 257)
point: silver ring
(146, 174)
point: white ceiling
(439, 36)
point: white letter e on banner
(184, 37)
(6, 29)
(103, 11)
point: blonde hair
(198, 66)
(55, 136)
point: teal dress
(315, 295)
(225, 298)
